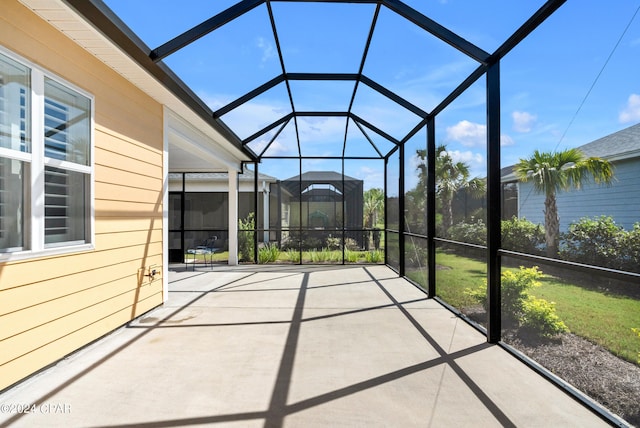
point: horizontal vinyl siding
(27, 273)
(51, 349)
(620, 200)
(52, 306)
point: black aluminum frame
(111, 26)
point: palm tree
(373, 204)
(553, 172)
(452, 177)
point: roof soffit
(67, 20)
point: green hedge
(599, 241)
(518, 234)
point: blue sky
(548, 101)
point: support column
(265, 211)
(165, 207)
(493, 204)
(386, 214)
(431, 207)
(256, 220)
(233, 217)
(401, 220)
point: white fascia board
(186, 136)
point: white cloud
(468, 157)
(275, 149)
(373, 177)
(631, 113)
(471, 134)
(267, 49)
(475, 161)
(506, 140)
(523, 121)
(320, 129)
(414, 162)
(248, 117)
(468, 134)
(214, 102)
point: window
(45, 161)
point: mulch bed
(590, 368)
(607, 379)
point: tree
(373, 205)
(246, 229)
(553, 172)
(451, 177)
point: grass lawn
(606, 319)
(455, 275)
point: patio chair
(206, 248)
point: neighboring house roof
(292, 185)
(620, 145)
(322, 177)
(624, 144)
(247, 175)
(507, 174)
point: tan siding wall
(51, 306)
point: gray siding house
(621, 200)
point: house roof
(322, 177)
(295, 185)
(247, 175)
(623, 144)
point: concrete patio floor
(294, 346)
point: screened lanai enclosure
(375, 128)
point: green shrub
(519, 234)
(351, 244)
(312, 243)
(472, 233)
(350, 256)
(630, 250)
(335, 256)
(514, 287)
(320, 256)
(540, 316)
(593, 241)
(375, 256)
(294, 255)
(246, 230)
(519, 309)
(268, 254)
(637, 331)
(334, 243)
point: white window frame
(34, 215)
